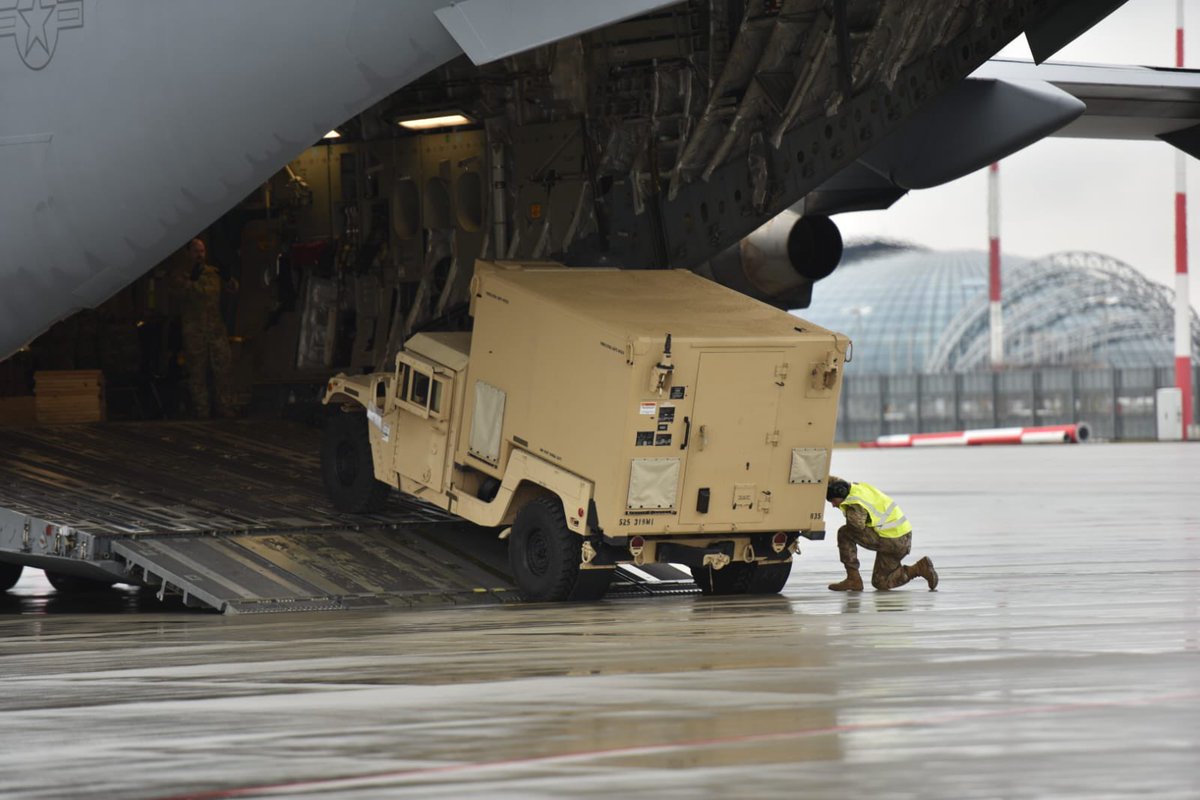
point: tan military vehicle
(607, 416)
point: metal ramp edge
(327, 570)
(651, 579)
(337, 570)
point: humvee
(604, 417)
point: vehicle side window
(402, 381)
(420, 389)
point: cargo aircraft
(635, 133)
(348, 160)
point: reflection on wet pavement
(1059, 658)
(33, 594)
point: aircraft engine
(780, 261)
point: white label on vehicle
(648, 409)
(375, 418)
(387, 432)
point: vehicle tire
(73, 584)
(9, 575)
(347, 466)
(544, 556)
(769, 578)
(488, 489)
(733, 578)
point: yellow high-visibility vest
(882, 512)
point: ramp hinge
(773, 438)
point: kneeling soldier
(874, 521)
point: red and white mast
(1183, 338)
(996, 318)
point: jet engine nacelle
(779, 262)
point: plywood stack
(69, 396)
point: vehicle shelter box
(689, 406)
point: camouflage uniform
(888, 572)
(205, 341)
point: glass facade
(919, 311)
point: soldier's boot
(924, 569)
(853, 582)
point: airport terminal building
(1086, 337)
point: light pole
(995, 315)
(1183, 338)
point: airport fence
(1118, 404)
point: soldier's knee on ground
(892, 580)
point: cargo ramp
(232, 516)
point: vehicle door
(730, 447)
(423, 393)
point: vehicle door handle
(687, 432)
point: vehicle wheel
(347, 466)
(9, 575)
(73, 584)
(769, 578)
(544, 556)
(488, 489)
(733, 578)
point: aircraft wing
(1006, 105)
(1122, 102)
(488, 30)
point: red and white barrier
(1048, 434)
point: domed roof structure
(910, 310)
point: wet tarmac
(1059, 658)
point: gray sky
(1112, 197)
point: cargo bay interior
(335, 260)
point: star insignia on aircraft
(34, 27)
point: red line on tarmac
(348, 781)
